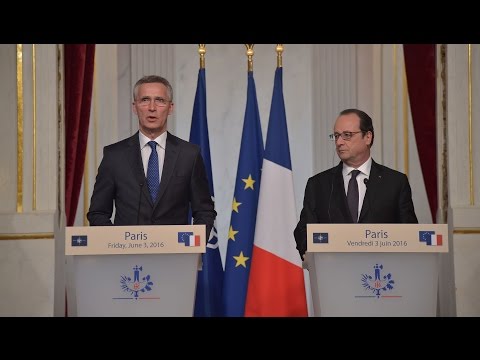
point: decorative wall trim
(395, 105)
(466, 230)
(27, 236)
(34, 129)
(470, 130)
(19, 128)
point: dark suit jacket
(388, 200)
(121, 182)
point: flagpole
(250, 53)
(279, 50)
(202, 49)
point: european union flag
(426, 236)
(244, 208)
(208, 300)
(184, 236)
(320, 238)
(79, 240)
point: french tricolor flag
(192, 240)
(430, 238)
(276, 285)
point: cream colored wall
(463, 126)
(28, 177)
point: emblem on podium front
(378, 282)
(136, 284)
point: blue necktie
(352, 195)
(153, 180)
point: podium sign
(133, 270)
(375, 269)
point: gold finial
(279, 50)
(250, 56)
(201, 51)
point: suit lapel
(339, 196)
(171, 155)
(134, 158)
(375, 182)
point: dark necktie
(352, 195)
(153, 180)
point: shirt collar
(161, 140)
(364, 168)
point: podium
(133, 270)
(375, 269)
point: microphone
(365, 181)
(139, 204)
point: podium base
(374, 284)
(132, 285)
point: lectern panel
(134, 285)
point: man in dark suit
(382, 195)
(152, 177)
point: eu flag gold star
(241, 260)
(232, 233)
(235, 205)
(248, 182)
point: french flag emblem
(430, 238)
(189, 239)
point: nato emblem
(137, 284)
(378, 282)
(79, 240)
(320, 238)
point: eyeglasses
(346, 135)
(160, 102)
